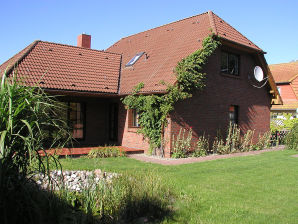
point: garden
(107, 187)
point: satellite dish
(258, 73)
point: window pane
(233, 114)
(76, 120)
(224, 62)
(135, 119)
(233, 64)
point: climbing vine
(154, 109)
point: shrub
(182, 144)
(291, 139)
(246, 141)
(104, 152)
(264, 141)
(202, 147)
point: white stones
(74, 180)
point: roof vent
(50, 49)
(42, 82)
(73, 85)
(80, 53)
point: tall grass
(29, 121)
(128, 197)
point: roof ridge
(212, 23)
(283, 63)
(162, 26)
(21, 57)
(89, 49)
(236, 31)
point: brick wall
(129, 137)
(208, 112)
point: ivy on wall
(154, 109)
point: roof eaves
(242, 45)
(275, 94)
(294, 77)
(10, 67)
(119, 77)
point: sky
(270, 24)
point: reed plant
(29, 122)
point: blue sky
(272, 25)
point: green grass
(253, 189)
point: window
(76, 118)
(229, 63)
(134, 119)
(134, 59)
(279, 89)
(113, 122)
(233, 114)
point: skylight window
(134, 59)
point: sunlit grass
(252, 189)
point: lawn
(252, 189)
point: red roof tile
(63, 67)
(284, 72)
(165, 46)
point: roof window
(134, 59)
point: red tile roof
(62, 67)
(165, 46)
(284, 72)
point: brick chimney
(84, 40)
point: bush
(182, 144)
(202, 147)
(291, 139)
(104, 152)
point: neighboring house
(286, 78)
(93, 82)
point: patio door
(113, 122)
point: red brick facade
(207, 112)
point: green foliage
(215, 191)
(181, 146)
(202, 147)
(127, 197)
(29, 122)
(154, 109)
(234, 142)
(282, 124)
(104, 152)
(291, 139)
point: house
(93, 82)
(286, 77)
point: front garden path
(171, 161)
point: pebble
(74, 180)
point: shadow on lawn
(22, 201)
